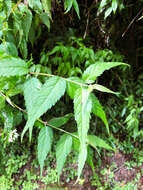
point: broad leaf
(82, 110)
(10, 66)
(40, 99)
(59, 121)
(95, 70)
(95, 141)
(98, 110)
(63, 148)
(45, 139)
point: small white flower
(13, 135)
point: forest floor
(119, 172)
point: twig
(87, 23)
(132, 22)
(50, 75)
(43, 122)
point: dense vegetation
(54, 84)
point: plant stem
(50, 75)
(43, 122)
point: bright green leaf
(40, 99)
(63, 148)
(68, 5)
(45, 139)
(75, 4)
(82, 110)
(108, 12)
(95, 70)
(10, 66)
(114, 5)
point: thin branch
(50, 75)
(87, 23)
(132, 22)
(43, 122)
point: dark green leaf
(95, 141)
(63, 148)
(45, 139)
(59, 121)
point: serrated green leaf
(95, 141)
(40, 99)
(103, 89)
(98, 110)
(10, 66)
(95, 70)
(63, 148)
(82, 110)
(45, 139)
(59, 121)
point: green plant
(75, 75)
